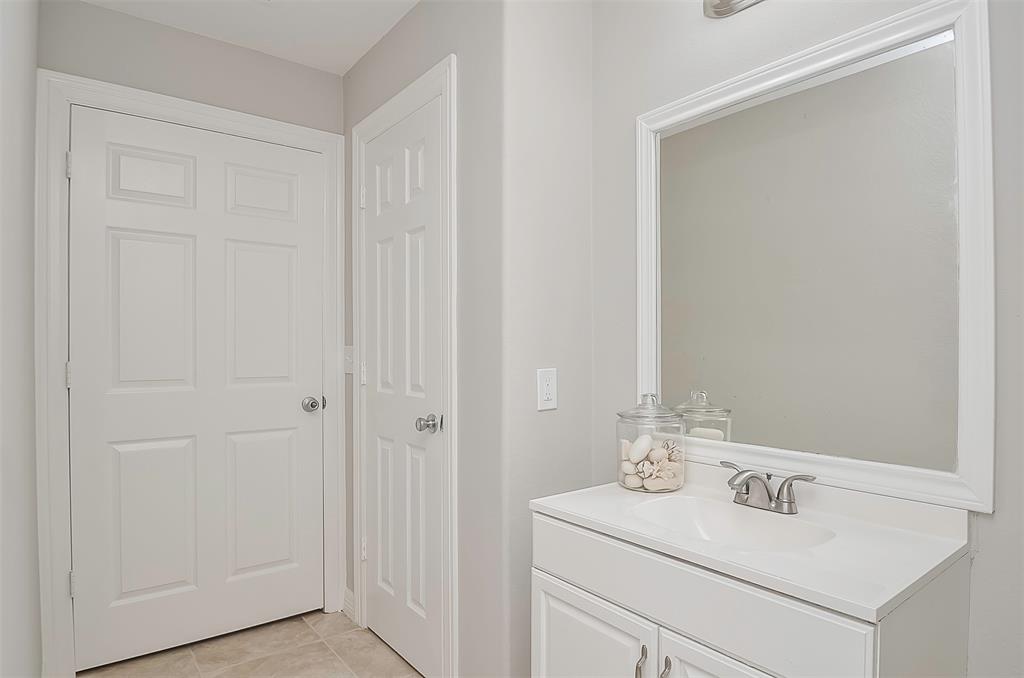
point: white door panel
(578, 635)
(683, 658)
(402, 339)
(195, 332)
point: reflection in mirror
(809, 263)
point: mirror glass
(808, 244)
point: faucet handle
(729, 464)
(785, 491)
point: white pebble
(657, 454)
(640, 447)
(657, 484)
(633, 481)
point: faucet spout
(741, 483)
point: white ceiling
(327, 34)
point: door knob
(428, 423)
(310, 404)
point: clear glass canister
(701, 419)
(650, 447)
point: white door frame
(57, 93)
(438, 82)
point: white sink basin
(726, 524)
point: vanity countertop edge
(839, 587)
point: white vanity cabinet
(579, 634)
(609, 601)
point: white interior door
(402, 356)
(195, 333)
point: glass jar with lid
(650, 447)
(702, 419)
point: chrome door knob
(310, 404)
(428, 423)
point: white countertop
(883, 550)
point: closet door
(578, 634)
(681, 657)
(196, 274)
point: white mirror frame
(969, 486)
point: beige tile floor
(313, 645)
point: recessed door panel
(151, 175)
(152, 309)
(261, 501)
(261, 310)
(262, 193)
(155, 495)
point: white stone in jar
(658, 484)
(632, 481)
(640, 447)
(657, 454)
(627, 467)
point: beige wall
(809, 265)
(473, 32)
(19, 565)
(647, 54)
(547, 275)
(524, 74)
(93, 42)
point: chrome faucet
(782, 501)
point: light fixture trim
(719, 9)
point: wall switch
(547, 389)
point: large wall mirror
(821, 237)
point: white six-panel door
(402, 354)
(195, 333)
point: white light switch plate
(547, 389)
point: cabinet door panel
(681, 657)
(577, 634)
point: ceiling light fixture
(719, 9)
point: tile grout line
(218, 669)
(335, 653)
(195, 662)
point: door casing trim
(438, 82)
(56, 94)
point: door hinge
(71, 583)
(362, 549)
(323, 402)
(67, 374)
(67, 164)
(362, 197)
(362, 373)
